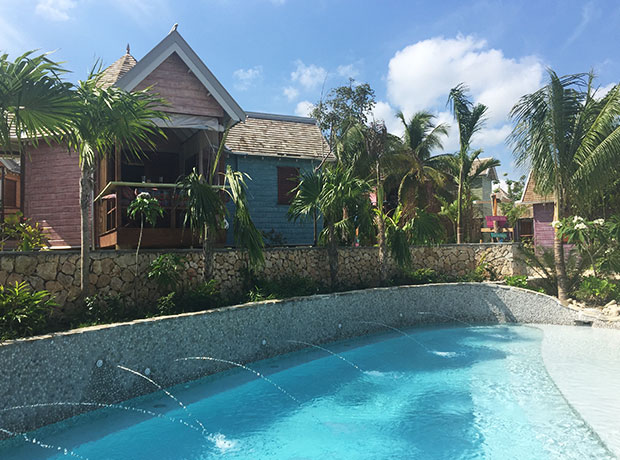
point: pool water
(452, 393)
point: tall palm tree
(107, 120)
(465, 169)
(34, 101)
(470, 119)
(416, 167)
(571, 140)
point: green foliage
(273, 238)
(596, 240)
(421, 276)
(145, 208)
(542, 262)
(282, 288)
(517, 281)
(102, 309)
(23, 312)
(204, 296)
(598, 290)
(27, 237)
(34, 101)
(166, 271)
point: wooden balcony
(115, 229)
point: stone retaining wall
(113, 272)
(81, 366)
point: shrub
(23, 312)
(597, 290)
(423, 276)
(517, 281)
(100, 309)
(27, 237)
(166, 271)
(202, 297)
(282, 288)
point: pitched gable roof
(531, 196)
(278, 135)
(491, 173)
(119, 68)
(174, 43)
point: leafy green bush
(282, 288)
(201, 297)
(166, 271)
(597, 290)
(23, 312)
(26, 236)
(517, 281)
(423, 276)
(101, 309)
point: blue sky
(277, 55)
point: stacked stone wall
(113, 272)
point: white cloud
(247, 77)
(347, 71)
(490, 137)
(383, 111)
(304, 108)
(291, 93)
(587, 13)
(603, 90)
(309, 76)
(55, 10)
(421, 75)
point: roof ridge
(281, 117)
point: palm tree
(571, 140)
(416, 167)
(206, 212)
(34, 101)
(470, 119)
(107, 120)
(341, 197)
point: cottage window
(10, 193)
(288, 179)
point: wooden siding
(266, 213)
(543, 231)
(51, 192)
(174, 81)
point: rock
(7, 264)
(25, 265)
(103, 281)
(612, 303)
(47, 271)
(95, 267)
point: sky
(281, 56)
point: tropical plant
(571, 139)
(34, 101)
(594, 239)
(470, 119)
(27, 237)
(340, 197)
(423, 229)
(597, 290)
(203, 296)
(107, 120)
(417, 170)
(23, 312)
(148, 209)
(206, 214)
(165, 270)
(517, 281)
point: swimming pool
(449, 393)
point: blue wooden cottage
(274, 150)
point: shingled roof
(531, 196)
(119, 68)
(278, 135)
(491, 173)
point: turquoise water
(461, 393)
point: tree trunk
(459, 210)
(332, 255)
(558, 252)
(381, 242)
(315, 219)
(207, 254)
(86, 188)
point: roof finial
(174, 28)
(127, 48)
